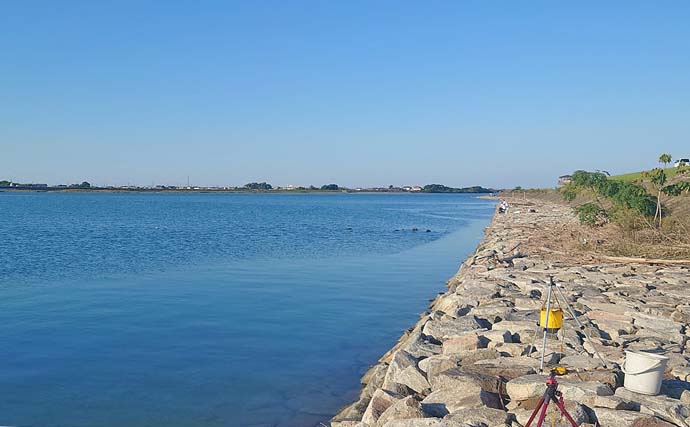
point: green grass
(635, 176)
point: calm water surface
(212, 309)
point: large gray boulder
(581, 362)
(421, 422)
(493, 338)
(513, 349)
(618, 418)
(461, 378)
(434, 365)
(472, 356)
(492, 311)
(403, 370)
(420, 345)
(657, 326)
(522, 330)
(664, 407)
(443, 329)
(682, 372)
(448, 401)
(453, 304)
(531, 386)
(380, 402)
(347, 423)
(504, 367)
(413, 378)
(481, 417)
(405, 408)
(458, 344)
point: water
(212, 309)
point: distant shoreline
(220, 191)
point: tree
(677, 189)
(330, 187)
(626, 195)
(84, 184)
(592, 214)
(258, 186)
(658, 178)
(591, 180)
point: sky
(357, 93)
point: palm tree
(665, 159)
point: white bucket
(643, 371)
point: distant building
(416, 189)
(16, 184)
(565, 179)
(682, 162)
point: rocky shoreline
(470, 360)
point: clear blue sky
(353, 92)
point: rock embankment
(470, 360)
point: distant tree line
(84, 184)
(6, 183)
(264, 186)
(258, 186)
(438, 188)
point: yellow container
(555, 319)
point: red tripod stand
(551, 394)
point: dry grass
(628, 235)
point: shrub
(677, 189)
(591, 214)
(622, 194)
(568, 192)
(635, 196)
